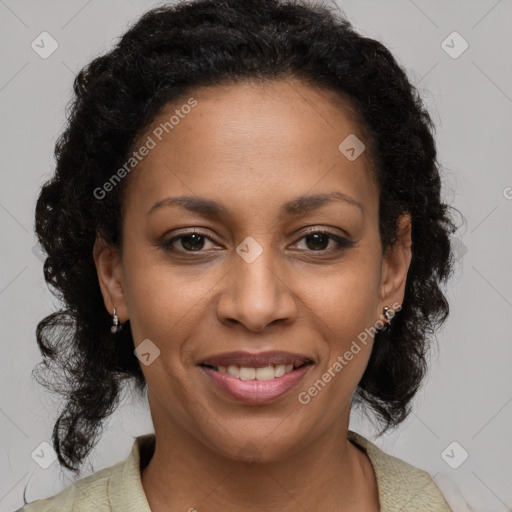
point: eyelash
(342, 242)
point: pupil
(317, 238)
(195, 245)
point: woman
(246, 220)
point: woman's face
(262, 172)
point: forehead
(252, 140)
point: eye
(192, 241)
(315, 240)
(319, 240)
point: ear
(395, 265)
(110, 276)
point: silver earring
(389, 314)
(116, 326)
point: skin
(253, 147)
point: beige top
(402, 487)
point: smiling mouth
(261, 373)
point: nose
(257, 293)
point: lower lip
(256, 391)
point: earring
(389, 314)
(116, 326)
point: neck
(328, 474)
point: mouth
(256, 378)
(256, 366)
(261, 373)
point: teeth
(234, 371)
(280, 370)
(265, 373)
(247, 373)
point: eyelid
(341, 240)
(315, 229)
(194, 231)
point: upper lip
(256, 360)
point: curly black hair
(167, 53)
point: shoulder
(401, 485)
(117, 487)
(89, 493)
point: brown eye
(192, 242)
(319, 241)
(187, 242)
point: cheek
(347, 296)
(345, 305)
(164, 302)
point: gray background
(467, 397)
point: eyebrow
(297, 206)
